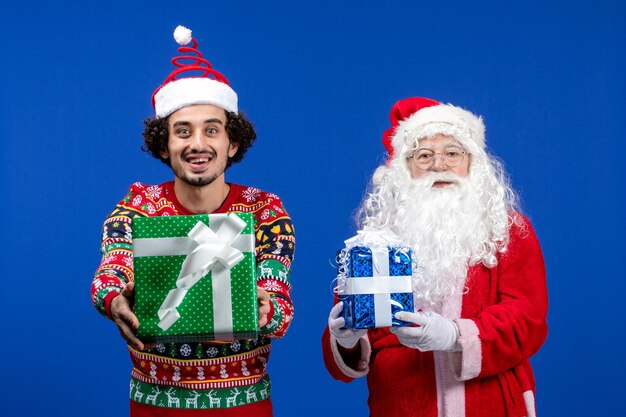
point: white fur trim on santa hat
(444, 119)
(189, 91)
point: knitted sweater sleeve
(274, 252)
(116, 266)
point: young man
(198, 133)
(479, 286)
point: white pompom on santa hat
(208, 86)
(415, 118)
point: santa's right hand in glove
(347, 338)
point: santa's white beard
(446, 228)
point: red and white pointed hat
(414, 118)
(194, 81)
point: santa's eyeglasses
(452, 156)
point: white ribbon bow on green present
(216, 248)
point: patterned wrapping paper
(360, 309)
(195, 277)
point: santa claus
(479, 288)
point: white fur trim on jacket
(366, 351)
(467, 364)
(450, 390)
(443, 119)
(529, 401)
(189, 91)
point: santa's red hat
(194, 81)
(418, 117)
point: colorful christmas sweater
(206, 375)
(502, 323)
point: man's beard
(198, 181)
(445, 227)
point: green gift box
(195, 277)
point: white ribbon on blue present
(370, 236)
(381, 285)
(216, 248)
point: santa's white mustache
(429, 179)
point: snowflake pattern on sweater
(202, 374)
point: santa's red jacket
(502, 323)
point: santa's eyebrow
(445, 145)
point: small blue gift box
(377, 285)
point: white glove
(435, 332)
(348, 338)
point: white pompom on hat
(209, 87)
(418, 117)
(182, 35)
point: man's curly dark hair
(240, 132)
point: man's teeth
(199, 160)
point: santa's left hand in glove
(434, 332)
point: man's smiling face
(198, 146)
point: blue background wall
(318, 79)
